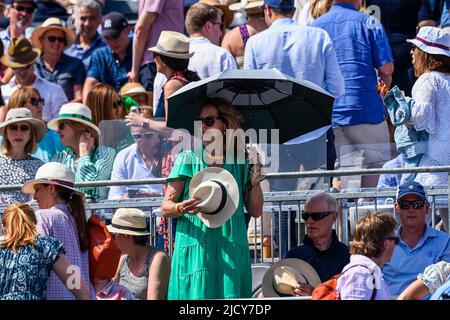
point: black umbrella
(266, 99)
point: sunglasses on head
(147, 135)
(395, 239)
(24, 9)
(37, 101)
(15, 127)
(209, 120)
(55, 38)
(316, 216)
(416, 204)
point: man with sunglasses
(420, 245)
(321, 247)
(20, 14)
(138, 161)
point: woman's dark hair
(141, 240)
(180, 65)
(78, 212)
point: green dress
(209, 263)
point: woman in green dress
(211, 263)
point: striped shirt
(57, 222)
(94, 167)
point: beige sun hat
(134, 88)
(129, 221)
(285, 275)
(74, 111)
(20, 54)
(246, 5)
(52, 24)
(23, 114)
(228, 15)
(219, 194)
(52, 173)
(172, 44)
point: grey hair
(90, 4)
(324, 197)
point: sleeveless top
(245, 35)
(177, 75)
(136, 284)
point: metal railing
(280, 205)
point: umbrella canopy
(266, 99)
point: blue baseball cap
(280, 4)
(412, 187)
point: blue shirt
(6, 38)
(361, 47)
(68, 72)
(302, 52)
(388, 180)
(129, 164)
(407, 263)
(105, 67)
(77, 51)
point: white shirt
(52, 93)
(209, 59)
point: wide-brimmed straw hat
(129, 221)
(76, 112)
(247, 5)
(283, 276)
(134, 88)
(23, 114)
(219, 194)
(52, 24)
(172, 44)
(52, 173)
(228, 15)
(20, 54)
(432, 40)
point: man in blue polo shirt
(420, 245)
(362, 50)
(111, 64)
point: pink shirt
(170, 17)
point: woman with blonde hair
(372, 246)
(28, 258)
(29, 97)
(21, 133)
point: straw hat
(20, 54)
(23, 114)
(74, 111)
(432, 40)
(172, 44)
(134, 88)
(129, 221)
(52, 24)
(219, 194)
(286, 274)
(52, 173)
(246, 5)
(227, 13)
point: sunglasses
(52, 39)
(209, 120)
(147, 135)
(29, 10)
(15, 127)
(62, 125)
(395, 239)
(416, 204)
(316, 216)
(37, 101)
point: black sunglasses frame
(36, 101)
(209, 120)
(316, 216)
(16, 127)
(395, 239)
(138, 136)
(52, 39)
(416, 204)
(29, 10)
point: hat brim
(225, 177)
(28, 187)
(6, 60)
(171, 54)
(429, 49)
(39, 31)
(111, 229)
(146, 93)
(250, 5)
(38, 126)
(304, 268)
(53, 124)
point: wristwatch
(145, 125)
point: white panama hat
(219, 194)
(432, 40)
(23, 114)
(129, 221)
(74, 111)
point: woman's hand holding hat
(303, 289)
(189, 206)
